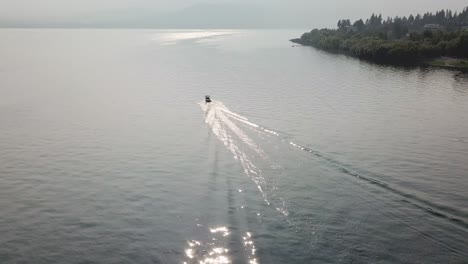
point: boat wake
(225, 124)
(231, 129)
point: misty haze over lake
(205, 14)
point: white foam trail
(217, 111)
(222, 122)
(242, 119)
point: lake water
(109, 155)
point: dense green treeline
(399, 40)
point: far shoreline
(443, 62)
(433, 39)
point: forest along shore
(439, 39)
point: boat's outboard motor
(207, 99)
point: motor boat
(207, 99)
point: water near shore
(450, 63)
(109, 155)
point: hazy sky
(248, 13)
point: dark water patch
(451, 214)
(444, 212)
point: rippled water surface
(109, 155)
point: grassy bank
(449, 63)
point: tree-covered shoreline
(399, 40)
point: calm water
(107, 154)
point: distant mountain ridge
(204, 15)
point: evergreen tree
(359, 24)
